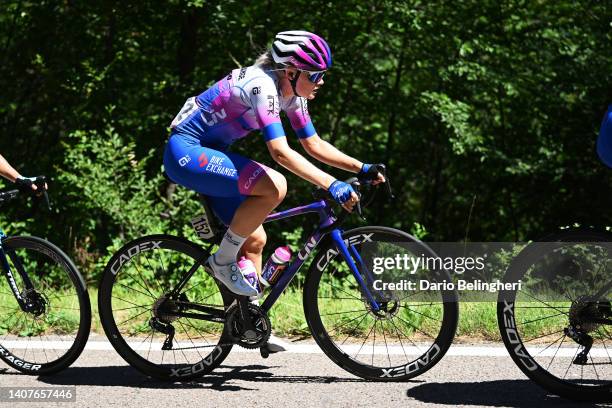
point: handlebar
(39, 182)
(356, 183)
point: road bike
(168, 317)
(558, 327)
(45, 313)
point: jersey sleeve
(265, 103)
(297, 112)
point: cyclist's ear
(290, 72)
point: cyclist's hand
(370, 173)
(28, 184)
(343, 194)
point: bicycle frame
(326, 222)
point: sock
(229, 247)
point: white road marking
(311, 348)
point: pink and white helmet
(302, 50)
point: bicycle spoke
(191, 340)
(354, 329)
(386, 346)
(343, 312)
(540, 319)
(364, 342)
(543, 335)
(421, 314)
(416, 328)
(132, 318)
(138, 291)
(345, 323)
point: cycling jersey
(247, 99)
(604, 141)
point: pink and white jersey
(245, 100)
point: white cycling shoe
(231, 276)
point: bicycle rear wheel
(52, 334)
(136, 311)
(405, 338)
(550, 325)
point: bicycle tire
(117, 267)
(12, 245)
(400, 372)
(515, 343)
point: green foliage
(481, 110)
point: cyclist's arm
(284, 155)
(327, 153)
(7, 171)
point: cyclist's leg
(242, 192)
(224, 209)
(253, 247)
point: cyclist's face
(304, 87)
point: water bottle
(273, 269)
(249, 272)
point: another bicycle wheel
(407, 336)
(557, 326)
(137, 312)
(52, 333)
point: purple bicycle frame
(326, 219)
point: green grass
(477, 320)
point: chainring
(259, 319)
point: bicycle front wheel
(51, 334)
(409, 333)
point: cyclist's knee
(280, 184)
(273, 186)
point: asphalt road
(304, 377)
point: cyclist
(604, 141)
(241, 191)
(8, 172)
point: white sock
(229, 247)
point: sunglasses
(315, 77)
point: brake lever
(388, 184)
(356, 185)
(383, 169)
(359, 212)
(40, 184)
(46, 196)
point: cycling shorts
(226, 178)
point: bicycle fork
(29, 287)
(347, 255)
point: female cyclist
(242, 191)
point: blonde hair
(266, 61)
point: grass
(477, 320)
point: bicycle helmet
(302, 50)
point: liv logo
(211, 118)
(203, 160)
(303, 254)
